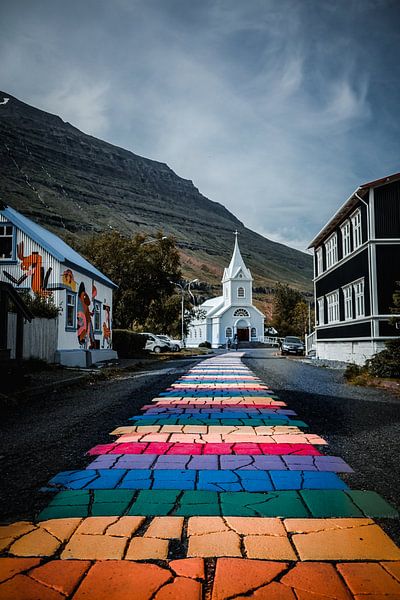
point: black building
(356, 267)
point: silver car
(155, 344)
(175, 345)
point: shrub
(387, 362)
(204, 345)
(41, 306)
(352, 370)
(128, 343)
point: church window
(200, 335)
(240, 292)
(241, 312)
(228, 332)
(253, 332)
(195, 333)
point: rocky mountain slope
(77, 186)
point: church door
(243, 334)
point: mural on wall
(106, 343)
(85, 325)
(33, 265)
(68, 280)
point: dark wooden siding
(338, 231)
(385, 329)
(388, 272)
(355, 330)
(351, 270)
(387, 210)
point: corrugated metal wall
(40, 338)
(29, 246)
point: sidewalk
(217, 491)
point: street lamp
(182, 289)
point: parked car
(175, 345)
(155, 344)
(292, 345)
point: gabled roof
(212, 305)
(348, 205)
(236, 265)
(54, 245)
(223, 309)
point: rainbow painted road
(217, 491)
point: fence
(40, 338)
(311, 342)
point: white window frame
(243, 294)
(357, 228)
(348, 302)
(321, 311)
(255, 332)
(359, 299)
(70, 303)
(346, 238)
(7, 235)
(320, 264)
(228, 332)
(331, 251)
(332, 300)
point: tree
(143, 271)
(286, 318)
(300, 318)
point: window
(240, 292)
(195, 333)
(348, 302)
(97, 316)
(321, 315)
(228, 332)
(333, 307)
(357, 233)
(346, 244)
(70, 322)
(241, 312)
(331, 251)
(253, 332)
(6, 241)
(200, 333)
(320, 267)
(359, 304)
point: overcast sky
(278, 109)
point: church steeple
(237, 263)
(237, 279)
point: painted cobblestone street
(217, 491)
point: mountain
(77, 186)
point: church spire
(237, 263)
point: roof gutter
(337, 214)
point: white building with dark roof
(34, 259)
(231, 314)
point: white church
(232, 313)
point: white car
(155, 343)
(175, 345)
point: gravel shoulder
(52, 432)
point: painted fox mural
(85, 325)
